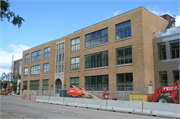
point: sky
(47, 20)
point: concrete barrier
(44, 99)
(56, 100)
(161, 109)
(124, 106)
(73, 101)
(95, 103)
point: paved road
(14, 107)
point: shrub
(18, 93)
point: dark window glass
(97, 82)
(96, 38)
(123, 30)
(163, 78)
(45, 84)
(96, 60)
(176, 75)
(124, 82)
(74, 81)
(25, 85)
(174, 48)
(161, 51)
(124, 55)
(34, 85)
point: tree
(6, 13)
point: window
(161, 51)
(45, 84)
(97, 82)
(25, 85)
(75, 63)
(163, 78)
(74, 81)
(26, 71)
(123, 30)
(26, 58)
(176, 75)
(20, 64)
(34, 85)
(97, 38)
(46, 52)
(124, 55)
(174, 48)
(124, 82)
(60, 57)
(46, 68)
(75, 44)
(96, 60)
(36, 56)
(35, 70)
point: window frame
(26, 72)
(47, 54)
(124, 57)
(77, 65)
(45, 68)
(160, 53)
(163, 81)
(118, 32)
(74, 84)
(36, 69)
(25, 86)
(45, 85)
(36, 86)
(77, 45)
(35, 57)
(125, 83)
(102, 62)
(97, 40)
(176, 49)
(26, 58)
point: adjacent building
(166, 56)
(116, 54)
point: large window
(75, 44)
(97, 82)
(96, 60)
(25, 85)
(35, 70)
(174, 48)
(176, 75)
(20, 65)
(26, 58)
(161, 51)
(45, 84)
(34, 85)
(123, 30)
(60, 57)
(74, 81)
(26, 71)
(97, 38)
(46, 68)
(46, 52)
(75, 63)
(36, 56)
(163, 78)
(124, 55)
(124, 81)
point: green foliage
(18, 93)
(6, 13)
(5, 84)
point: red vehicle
(166, 94)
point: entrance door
(58, 86)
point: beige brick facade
(143, 23)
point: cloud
(156, 10)
(177, 20)
(6, 57)
(116, 12)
